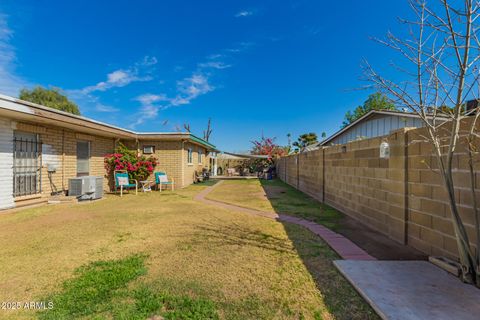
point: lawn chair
(161, 179)
(122, 181)
(197, 178)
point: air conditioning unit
(86, 188)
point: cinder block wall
(310, 173)
(430, 227)
(360, 184)
(291, 178)
(281, 168)
(401, 197)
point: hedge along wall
(401, 197)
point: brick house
(41, 148)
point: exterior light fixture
(384, 150)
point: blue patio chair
(161, 179)
(122, 181)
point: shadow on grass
(235, 234)
(340, 298)
(207, 183)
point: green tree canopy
(375, 101)
(304, 140)
(51, 98)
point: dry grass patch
(275, 196)
(247, 267)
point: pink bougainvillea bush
(138, 167)
(268, 147)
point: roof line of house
(251, 156)
(367, 115)
(30, 108)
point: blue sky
(271, 67)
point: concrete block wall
(292, 165)
(361, 184)
(430, 225)
(402, 197)
(280, 168)
(310, 173)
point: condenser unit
(86, 188)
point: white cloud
(146, 112)
(239, 47)
(188, 88)
(10, 82)
(147, 61)
(191, 88)
(214, 56)
(214, 65)
(244, 13)
(149, 98)
(104, 108)
(118, 78)
(149, 108)
(140, 71)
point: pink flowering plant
(138, 167)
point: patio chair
(161, 179)
(197, 178)
(122, 181)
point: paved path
(412, 290)
(344, 247)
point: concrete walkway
(344, 247)
(412, 290)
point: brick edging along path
(343, 246)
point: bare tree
(440, 68)
(208, 131)
(186, 126)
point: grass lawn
(165, 254)
(276, 196)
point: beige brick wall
(169, 157)
(172, 158)
(190, 168)
(59, 149)
(402, 197)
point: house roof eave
(29, 112)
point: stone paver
(343, 246)
(412, 290)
